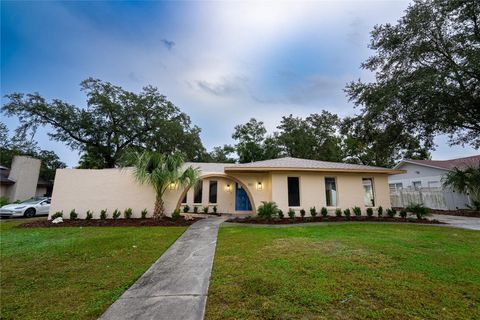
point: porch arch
(224, 176)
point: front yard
(73, 273)
(351, 271)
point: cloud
(168, 44)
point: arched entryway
(237, 191)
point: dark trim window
(212, 194)
(198, 192)
(368, 192)
(331, 192)
(293, 191)
(184, 200)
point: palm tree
(465, 181)
(161, 171)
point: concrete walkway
(176, 285)
(469, 223)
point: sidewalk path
(176, 285)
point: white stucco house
(426, 176)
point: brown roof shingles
(460, 163)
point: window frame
(336, 189)
(199, 183)
(210, 191)
(372, 179)
(299, 192)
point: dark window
(293, 192)
(331, 192)
(198, 192)
(184, 200)
(212, 194)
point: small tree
(418, 210)
(267, 210)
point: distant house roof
(297, 164)
(460, 163)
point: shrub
(280, 214)
(58, 214)
(89, 215)
(4, 201)
(176, 214)
(302, 213)
(291, 213)
(116, 214)
(215, 209)
(338, 212)
(347, 213)
(73, 215)
(391, 213)
(369, 212)
(324, 212)
(267, 210)
(195, 209)
(144, 213)
(313, 212)
(357, 211)
(380, 211)
(403, 213)
(205, 209)
(128, 213)
(418, 210)
(186, 208)
(103, 214)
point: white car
(27, 208)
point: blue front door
(242, 203)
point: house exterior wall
(24, 171)
(426, 175)
(84, 189)
(40, 191)
(5, 191)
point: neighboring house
(233, 188)
(21, 181)
(423, 181)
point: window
(368, 196)
(198, 192)
(184, 200)
(434, 184)
(417, 184)
(331, 192)
(212, 194)
(293, 191)
(395, 186)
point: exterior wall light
(228, 187)
(259, 186)
(172, 186)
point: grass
(350, 271)
(73, 273)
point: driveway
(459, 222)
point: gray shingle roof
(296, 163)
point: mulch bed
(164, 222)
(256, 220)
(460, 212)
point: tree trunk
(159, 210)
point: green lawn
(348, 271)
(73, 273)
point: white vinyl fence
(434, 198)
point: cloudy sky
(220, 62)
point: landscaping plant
(205, 209)
(465, 181)
(128, 213)
(267, 210)
(391, 213)
(418, 210)
(160, 171)
(116, 214)
(89, 215)
(338, 212)
(280, 214)
(58, 214)
(380, 211)
(313, 212)
(186, 208)
(302, 213)
(176, 214)
(214, 209)
(357, 211)
(195, 209)
(347, 213)
(324, 212)
(144, 213)
(403, 213)
(291, 213)
(73, 215)
(103, 214)
(369, 212)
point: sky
(222, 63)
